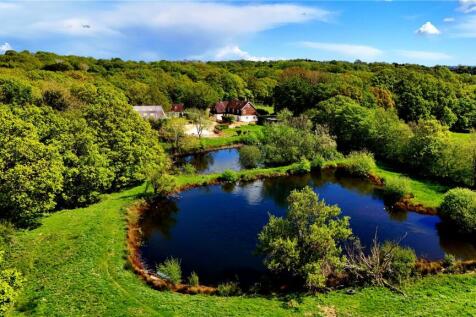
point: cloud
(424, 55)
(467, 6)
(177, 29)
(428, 29)
(448, 19)
(352, 50)
(233, 52)
(8, 6)
(5, 47)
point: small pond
(213, 229)
(214, 161)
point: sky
(424, 32)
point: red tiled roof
(227, 106)
(177, 107)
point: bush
(449, 262)
(383, 265)
(221, 127)
(306, 243)
(228, 289)
(459, 205)
(249, 139)
(402, 263)
(171, 270)
(302, 167)
(188, 169)
(228, 118)
(229, 176)
(359, 163)
(193, 279)
(396, 188)
(317, 162)
(250, 156)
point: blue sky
(426, 32)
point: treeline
(66, 139)
(415, 92)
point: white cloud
(233, 52)
(448, 19)
(352, 50)
(467, 6)
(5, 47)
(424, 55)
(428, 29)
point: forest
(69, 131)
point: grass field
(424, 192)
(75, 265)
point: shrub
(229, 176)
(396, 188)
(383, 265)
(459, 205)
(249, 139)
(302, 167)
(402, 263)
(171, 270)
(359, 163)
(228, 118)
(193, 279)
(306, 243)
(317, 162)
(221, 127)
(188, 169)
(250, 156)
(228, 289)
(449, 262)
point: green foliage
(13, 91)
(302, 167)
(250, 156)
(172, 270)
(228, 289)
(188, 169)
(359, 164)
(402, 262)
(306, 242)
(162, 183)
(229, 176)
(396, 188)
(11, 281)
(193, 279)
(228, 118)
(459, 205)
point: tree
(161, 182)
(10, 283)
(173, 130)
(199, 119)
(306, 242)
(30, 171)
(250, 156)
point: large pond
(213, 229)
(214, 161)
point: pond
(214, 161)
(213, 229)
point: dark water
(213, 229)
(213, 162)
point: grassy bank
(75, 265)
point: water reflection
(213, 229)
(213, 162)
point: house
(150, 111)
(176, 110)
(243, 111)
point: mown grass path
(75, 266)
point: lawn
(424, 192)
(75, 265)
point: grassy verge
(424, 192)
(75, 266)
